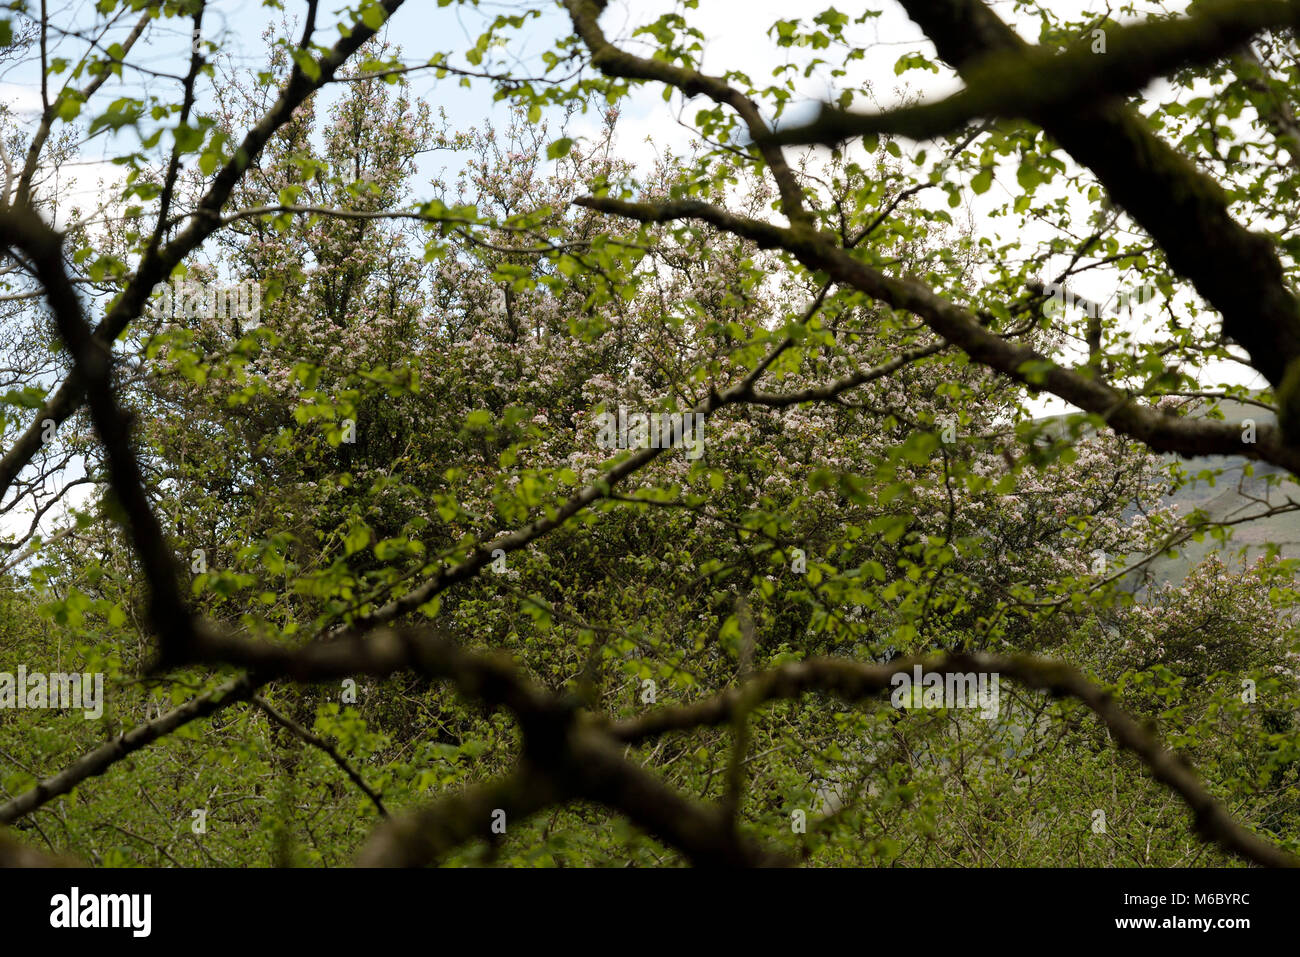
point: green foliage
(416, 387)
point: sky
(737, 38)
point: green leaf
(307, 64)
(188, 139)
(559, 148)
(357, 538)
(69, 107)
(1028, 175)
(373, 15)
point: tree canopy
(430, 486)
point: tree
(346, 533)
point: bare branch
(323, 746)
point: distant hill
(1232, 495)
